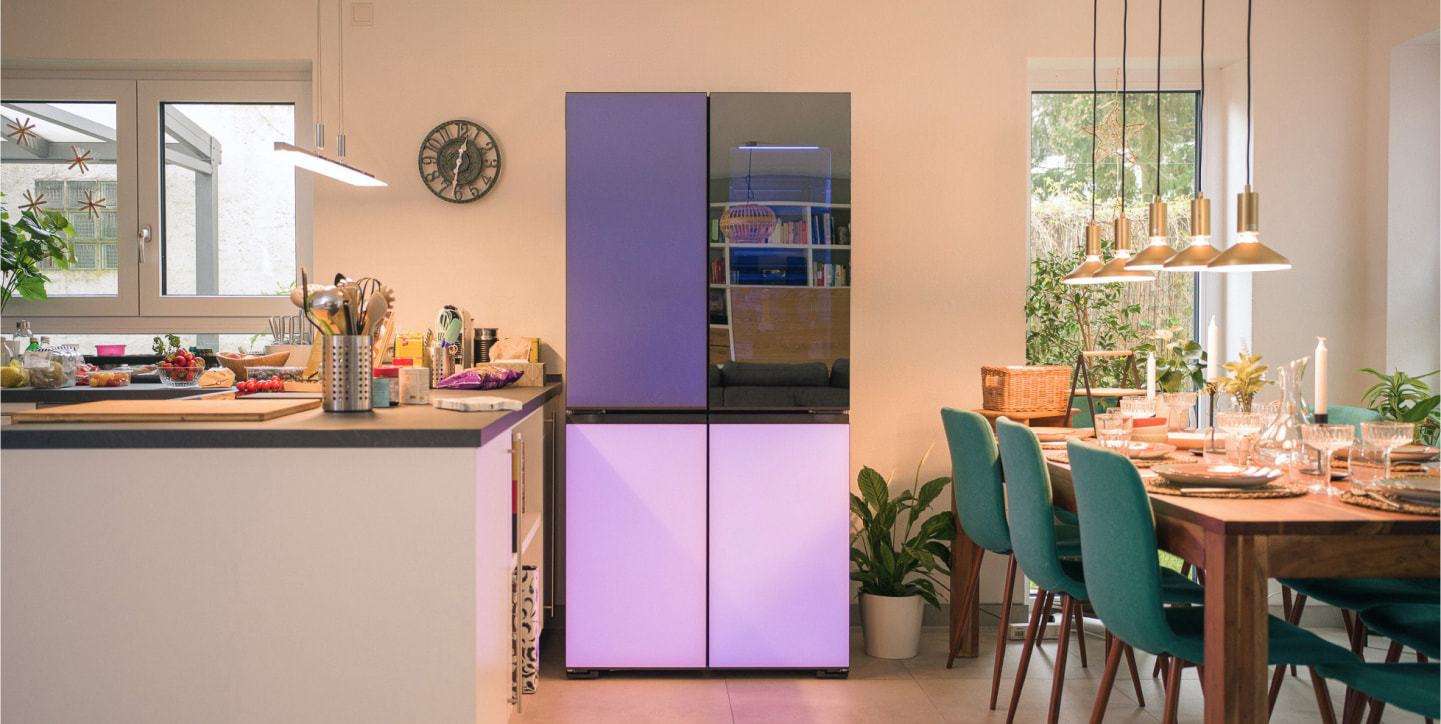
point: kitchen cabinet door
(635, 546)
(635, 250)
(779, 545)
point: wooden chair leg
(1135, 679)
(1160, 665)
(1026, 649)
(1046, 616)
(1108, 679)
(1005, 624)
(1293, 617)
(1323, 697)
(1173, 690)
(1059, 678)
(972, 580)
(1080, 632)
(1393, 654)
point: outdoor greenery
(1403, 398)
(894, 556)
(1180, 362)
(1061, 319)
(27, 244)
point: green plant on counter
(893, 555)
(1178, 360)
(1063, 319)
(1403, 398)
(1246, 379)
(166, 344)
(37, 236)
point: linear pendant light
(313, 160)
(1115, 270)
(1085, 273)
(1200, 253)
(1155, 256)
(1248, 253)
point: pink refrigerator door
(780, 545)
(635, 546)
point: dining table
(1243, 543)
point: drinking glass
(1367, 464)
(1388, 436)
(1242, 427)
(1327, 439)
(1113, 430)
(1138, 406)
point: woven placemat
(1399, 468)
(1366, 501)
(1060, 456)
(1161, 486)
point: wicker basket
(1041, 388)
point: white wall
(940, 109)
(1413, 216)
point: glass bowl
(180, 377)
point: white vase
(892, 625)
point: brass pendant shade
(1195, 257)
(1248, 253)
(1154, 256)
(1085, 273)
(1115, 270)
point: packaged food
(50, 369)
(13, 375)
(109, 378)
(286, 374)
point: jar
(380, 391)
(391, 374)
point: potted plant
(898, 558)
(1245, 380)
(28, 243)
(1403, 398)
(1179, 369)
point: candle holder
(1208, 443)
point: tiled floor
(919, 690)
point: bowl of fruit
(181, 369)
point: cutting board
(203, 410)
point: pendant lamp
(1115, 270)
(1195, 257)
(1155, 255)
(313, 160)
(1248, 253)
(1085, 273)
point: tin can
(414, 386)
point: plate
(1058, 434)
(1414, 453)
(1217, 475)
(1425, 491)
(1149, 450)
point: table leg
(1235, 673)
(963, 552)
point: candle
(1320, 375)
(1213, 349)
(1151, 375)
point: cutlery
(1382, 499)
(330, 302)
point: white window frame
(139, 307)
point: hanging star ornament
(32, 204)
(92, 205)
(23, 131)
(1113, 138)
(81, 159)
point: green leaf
(872, 486)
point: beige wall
(940, 108)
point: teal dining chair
(1118, 556)
(1343, 415)
(1033, 540)
(1413, 625)
(1409, 686)
(981, 507)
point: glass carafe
(1279, 442)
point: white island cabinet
(243, 582)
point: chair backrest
(1118, 547)
(976, 479)
(1343, 415)
(1030, 509)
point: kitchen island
(347, 567)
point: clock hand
(459, 157)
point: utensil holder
(345, 373)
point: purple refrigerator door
(780, 546)
(636, 315)
(635, 572)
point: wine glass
(1241, 426)
(1138, 406)
(1388, 436)
(1327, 439)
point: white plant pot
(892, 625)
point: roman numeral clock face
(459, 161)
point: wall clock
(459, 161)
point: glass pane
(780, 248)
(229, 226)
(61, 157)
(1064, 161)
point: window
(1115, 316)
(185, 219)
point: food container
(391, 373)
(109, 350)
(109, 378)
(183, 377)
(51, 369)
(286, 374)
(415, 386)
(380, 391)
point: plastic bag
(484, 377)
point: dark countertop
(403, 426)
(133, 391)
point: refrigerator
(707, 381)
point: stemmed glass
(1389, 436)
(1241, 426)
(1327, 439)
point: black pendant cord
(1125, 21)
(1248, 92)
(1160, 15)
(1201, 101)
(1095, 88)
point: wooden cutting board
(203, 410)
